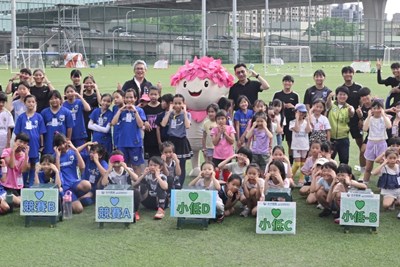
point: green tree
(335, 26)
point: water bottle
(9, 200)
(67, 205)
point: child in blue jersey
(241, 119)
(118, 96)
(56, 119)
(68, 160)
(178, 120)
(32, 124)
(76, 104)
(100, 123)
(95, 168)
(131, 120)
(47, 172)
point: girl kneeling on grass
(153, 187)
(253, 190)
(229, 193)
(47, 172)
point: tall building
(354, 13)
(396, 18)
(250, 21)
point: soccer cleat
(137, 216)
(160, 214)
(245, 212)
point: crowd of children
(85, 140)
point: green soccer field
(318, 242)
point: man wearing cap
(139, 82)
(245, 86)
(339, 115)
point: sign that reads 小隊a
(195, 203)
(39, 202)
(276, 217)
(359, 209)
(114, 206)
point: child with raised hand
(18, 105)
(47, 172)
(153, 187)
(241, 118)
(275, 176)
(238, 167)
(76, 77)
(278, 153)
(100, 123)
(68, 160)
(260, 136)
(91, 93)
(118, 97)
(172, 165)
(259, 106)
(301, 127)
(223, 137)
(253, 190)
(130, 119)
(118, 173)
(388, 180)
(4, 207)
(343, 182)
(227, 105)
(178, 121)
(6, 123)
(41, 89)
(393, 142)
(322, 187)
(321, 128)
(152, 110)
(310, 191)
(32, 124)
(229, 193)
(314, 154)
(279, 120)
(208, 124)
(376, 124)
(95, 168)
(162, 132)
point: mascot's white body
(202, 82)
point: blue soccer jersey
(102, 119)
(92, 173)
(34, 127)
(68, 168)
(243, 119)
(76, 108)
(129, 129)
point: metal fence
(120, 35)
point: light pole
(113, 48)
(208, 28)
(126, 19)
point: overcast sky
(392, 6)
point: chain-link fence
(111, 34)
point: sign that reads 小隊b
(114, 206)
(359, 209)
(193, 203)
(39, 202)
(276, 217)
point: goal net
(391, 55)
(287, 60)
(26, 58)
(4, 62)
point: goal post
(391, 55)
(4, 62)
(287, 60)
(26, 58)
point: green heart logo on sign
(276, 212)
(360, 204)
(193, 196)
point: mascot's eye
(184, 84)
(206, 84)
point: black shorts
(355, 131)
(287, 134)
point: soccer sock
(295, 167)
(301, 176)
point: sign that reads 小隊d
(114, 206)
(359, 209)
(276, 217)
(193, 203)
(39, 202)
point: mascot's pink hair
(203, 68)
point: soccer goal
(283, 60)
(26, 58)
(4, 62)
(391, 55)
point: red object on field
(225, 175)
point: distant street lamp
(126, 19)
(23, 37)
(113, 47)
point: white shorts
(393, 193)
(300, 154)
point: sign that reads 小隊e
(276, 217)
(39, 202)
(193, 203)
(359, 209)
(114, 206)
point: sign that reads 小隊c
(276, 217)
(39, 202)
(359, 209)
(114, 206)
(193, 203)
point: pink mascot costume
(202, 82)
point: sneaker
(177, 184)
(160, 214)
(393, 207)
(245, 212)
(137, 216)
(299, 184)
(398, 215)
(326, 212)
(220, 218)
(320, 207)
(336, 220)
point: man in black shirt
(139, 82)
(289, 100)
(244, 86)
(317, 91)
(394, 82)
(23, 75)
